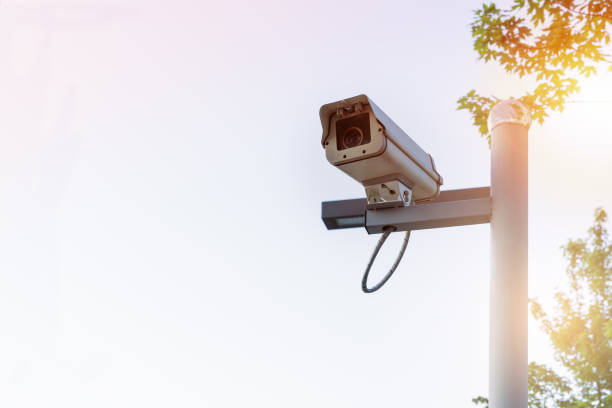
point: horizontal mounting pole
(452, 208)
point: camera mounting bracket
(388, 195)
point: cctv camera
(362, 141)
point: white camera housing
(362, 141)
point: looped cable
(381, 241)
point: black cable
(381, 241)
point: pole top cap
(509, 111)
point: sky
(161, 177)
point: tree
(553, 41)
(580, 329)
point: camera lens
(353, 131)
(352, 137)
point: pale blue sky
(161, 177)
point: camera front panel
(353, 131)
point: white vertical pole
(508, 124)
